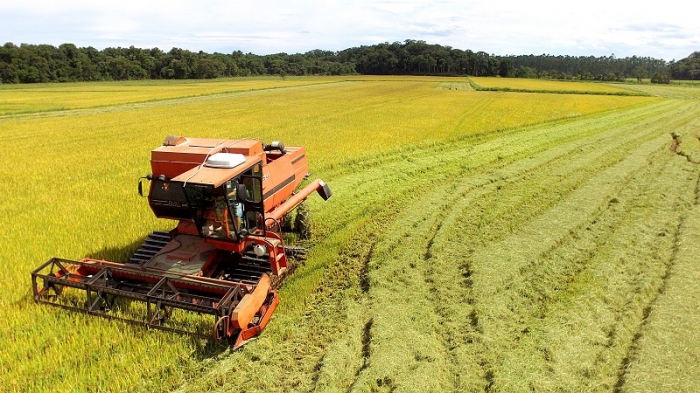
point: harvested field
(476, 241)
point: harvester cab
(230, 199)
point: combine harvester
(230, 198)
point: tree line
(688, 68)
(29, 63)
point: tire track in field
(591, 149)
(666, 221)
(510, 293)
(398, 244)
(458, 209)
(551, 281)
(661, 373)
(333, 346)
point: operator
(236, 205)
(221, 223)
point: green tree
(663, 77)
(639, 72)
(525, 72)
(209, 68)
(505, 68)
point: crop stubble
(525, 263)
(508, 262)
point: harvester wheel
(302, 222)
(224, 333)
(57, 289)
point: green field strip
(419, 167)
(462, 310)
(546, 284)
(511, 287)
(419, 239)
(552, 87)
(674, 92)
(459, 319)
(498, 269)
(661, 359)
(460, 86)
(665, 360)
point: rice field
(551, 86)
(43, 97)
(476, 241)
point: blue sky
(667, 29)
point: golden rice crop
(362, 118)
(398, 152)
(52, 96)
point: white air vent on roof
(225, 160)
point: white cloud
(596, 27)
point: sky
(668, 29)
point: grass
(477, 273)
(504, 242)
(548, 86)
(662, 360)
(694, 82)
(669, 91)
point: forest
(29, 63)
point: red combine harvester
(230, 198)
